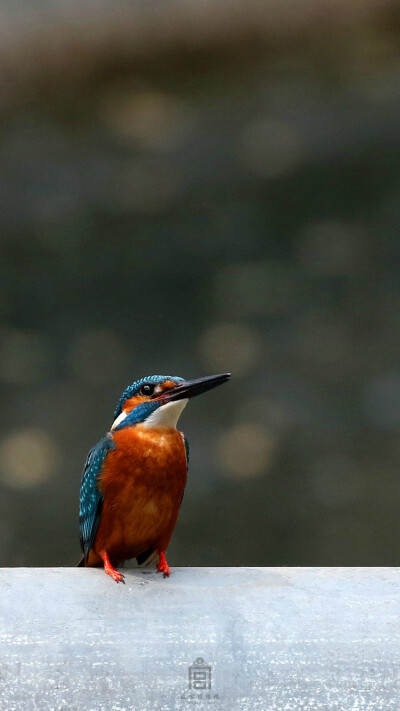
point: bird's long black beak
(190, 388)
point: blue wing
(186, 443)
(91, 498)
(186, 450)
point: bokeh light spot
(156, 120)
(245, 451)
(230, 346)
(28, 458)
(272, 148)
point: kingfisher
(134, 477)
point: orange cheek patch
(133, 402)
(167, 385)
(136, 400)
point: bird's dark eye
(146, 389)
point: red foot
(118, 577)
(162, 565)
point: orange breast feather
(143, 482)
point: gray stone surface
(275, 639)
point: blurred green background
(189, 188)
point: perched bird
(134, 478)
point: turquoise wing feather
(91, 498)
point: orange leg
(162, 565)
(118, 577)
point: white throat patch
(166, 415)
(119, 419)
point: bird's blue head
(158, 400)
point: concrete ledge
(274, 639)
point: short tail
(147, 556)
(80, 563)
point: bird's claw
(166, 573)
(108, 568)
(115, 575)
(162, 566)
